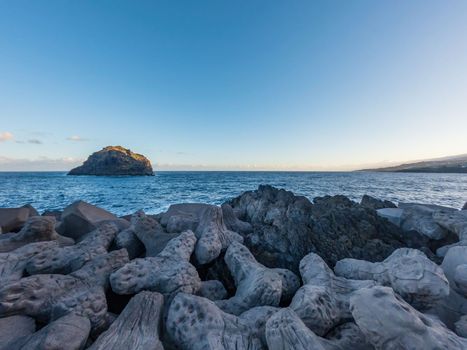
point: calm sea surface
(124, 195)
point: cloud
(38, 164)
(6, 136)
(35, 141)
(76, 138)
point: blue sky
(304, 85)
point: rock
(137, 327)
(168, 273)
(127, 239)
(196, 323)
(80, 218)
(207, 222)
(71, 329)
(64, 260)
(461, 327)
(150, 233)
(36, 229)
(465, 206)
(419, 217)
(323, 301)
(374, 203)
(287, 227)
(388, 322)
(454, 221)
(460, 279)
(232, 222)
(31, 209)
(15, 327)
(13, 264)
(50, 296)
(114, 160)
(286, 331)
(256, 284)
(212, 290)
(12, 219)
(393, 215)
(409, 272)
(57, 214)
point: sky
(233, 85)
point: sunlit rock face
(114, 160)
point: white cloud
(5, 136)
(38, 164)
(76, 138)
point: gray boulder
(207, 222)
(36, 229)
(389, 323)
(461, 327)
(409, 272)
(465, 206)
(49, 296)
(374, 203)
(13, 264)
(12, 219)
(64, 260)
(286, 331)
(168, 273)
(196, 323)
(323, 302)
(256, 284)
(212, 290)
(454, 221)
(14, 328)
(80, 218)
(68, 332)
(137, 327)
(232, 222)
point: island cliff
(114, 160)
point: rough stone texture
(207, 222)
(286, 331)
(169, 272)
(36, 229)
(256, 284)
(409, 272)
(419, 217)
(212, 290)
(64, 260)
(196, 323)
(393, 215)
(49, 296)
(460, 279)
(13, 264)
(287, 227)
(461, 327)
(12, 219)
(389, 323)
(454, 221)
(137, 327)
(465, 206)
(233, 223)
(80, 218)
(114, 160)
(374, 203)
(323, 302)
(68, 332)
(148, 230)
(13, 328)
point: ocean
(125, 194)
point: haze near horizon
(247, 85)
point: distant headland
(114, 160)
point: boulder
(256, 284)
(212, 290)
(287, 227)
(196, 323)
(137, 327)
(393, 215)
(207, 222)
(323, 301)
(14, 328)
(13, 264)
(49, 296)
(64, 260)
(80, 218)
(71, 329)
(114, 160)
(388, 322)
(232, 222)
(461, 327)
(36, 229)
(57, 214)
(286, 331)
(127, 239)
(12, 219)
(465, 206)
(168, 273)
(409, 272)
(454, 221)
(374, 203)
